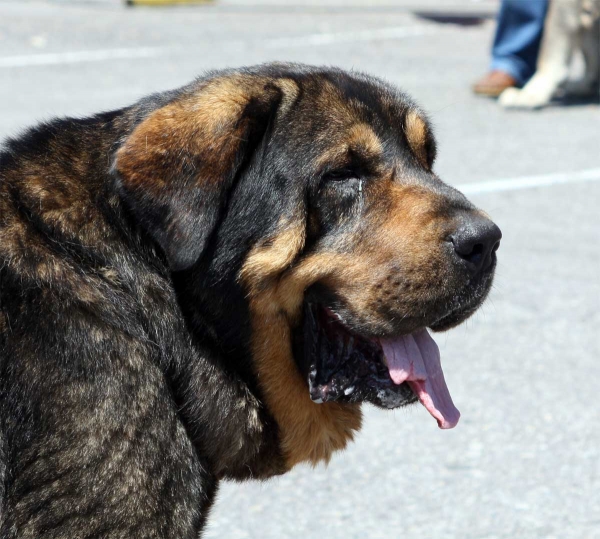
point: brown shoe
(494, 83)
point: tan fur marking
(309, 432)
(416, 134)
(202, 131)
(268, 260)
(291, 91)
(360, 138)
(200, 128)
(218, 104)
(364, 138)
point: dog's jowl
(209, 283)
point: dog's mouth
(389, 372)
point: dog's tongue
(415, 359)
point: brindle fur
(153, 262)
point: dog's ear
(177, 166)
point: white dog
(570, 25)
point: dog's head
(302, 209)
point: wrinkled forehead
(342, 118)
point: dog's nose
(475, 241)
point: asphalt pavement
(524, 461)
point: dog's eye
(341, 175)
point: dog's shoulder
(70, 259)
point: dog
(208, 284)
(570, 25)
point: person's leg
(518, 36)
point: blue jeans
(518, 36)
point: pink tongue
(415, 359)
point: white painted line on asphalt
(77, 57)
(529, 182)
(310, 40)
(375, 34)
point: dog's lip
(476, 291)
(454, 317)
(337, 317)
(332, 313)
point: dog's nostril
(475, 256)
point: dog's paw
(512, 98)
